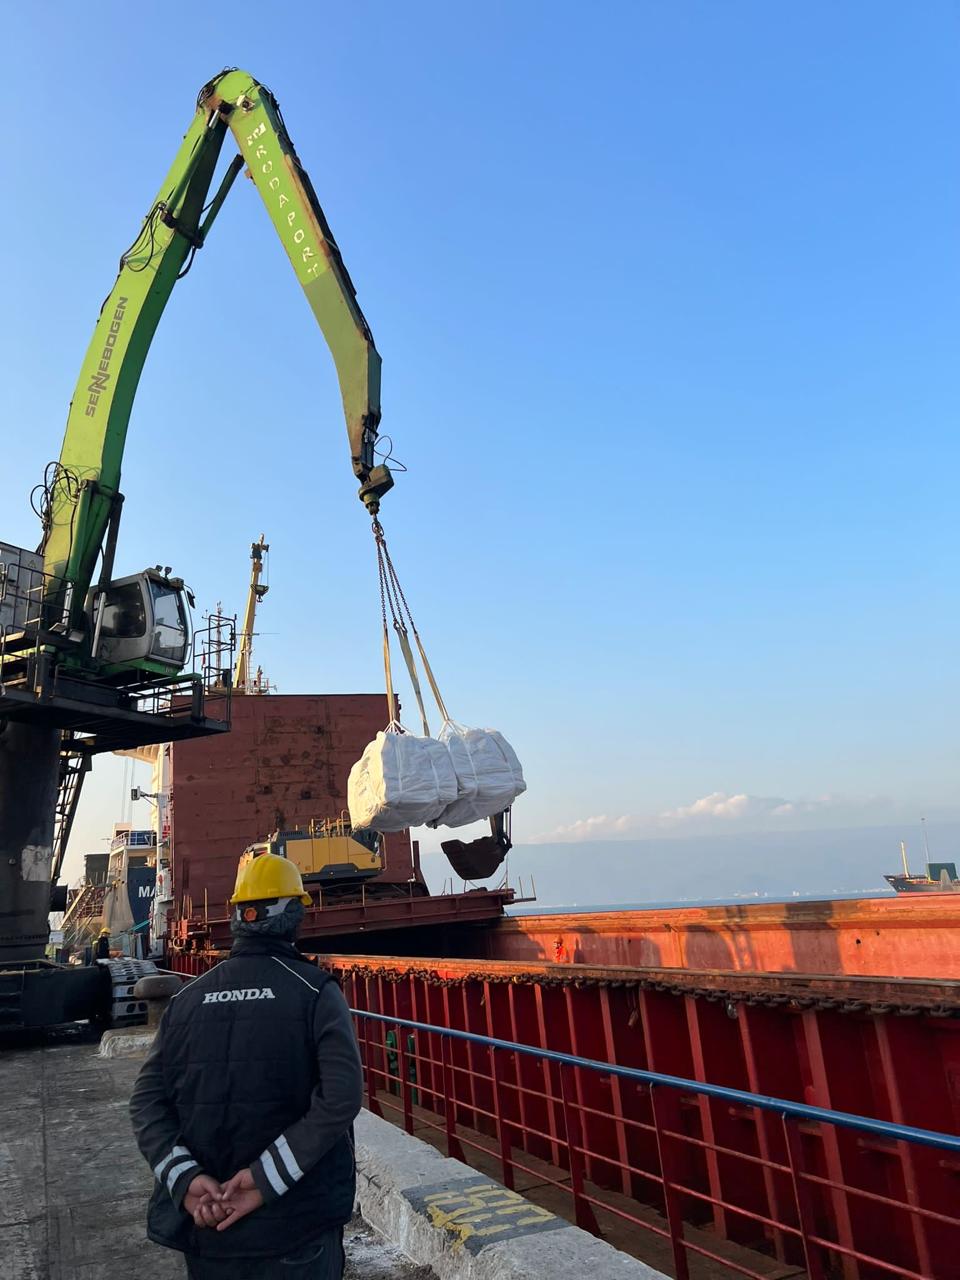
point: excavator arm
(83, 495)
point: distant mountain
(601, 872)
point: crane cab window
(124, 617)
(170, 630)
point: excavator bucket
(478, 859)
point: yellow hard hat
(104, 932)
(268, 876)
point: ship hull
(914, 884)
(883, 1047)
(888, 936)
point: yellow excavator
(326, 852)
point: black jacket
(254, 1064)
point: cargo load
(408, 780)
(401, 780)
(488, 772)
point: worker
(245, 1105)
(101, 950)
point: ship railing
(539, 1106)
(133, 840)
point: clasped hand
(219, 1205)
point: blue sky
(667, 298)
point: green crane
(83, 494)
(89, 666)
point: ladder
(74, 765)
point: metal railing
(133, 840)
(670, 1175)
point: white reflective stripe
(179, 1169)
(288, 1158)
(295, 974)
(165, 1162)
(273, 1177)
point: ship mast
(244, 679)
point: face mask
(272, 918)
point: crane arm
(83, 494)
(253, 115)
(258, 589)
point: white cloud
(720, 805)
(720, 811)
(599, 827)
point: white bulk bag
(400, 781)
(489, 775)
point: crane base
(41, 994)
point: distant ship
(940, 877)
(116, 893)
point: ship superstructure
(115, 894)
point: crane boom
(242, 676)
(84, 495)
